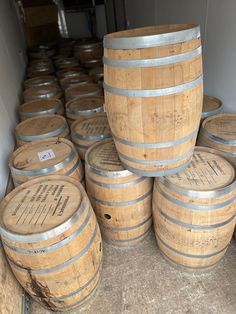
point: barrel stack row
(153, 109)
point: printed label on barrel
(207, 171)
(41, 207)
(95, 126)
(105, 157)
(223, 126)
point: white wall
(217, 19)
(12, 64)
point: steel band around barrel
(190, 255)
(191, 226)
(156, 145)
(45, 112)
(159, 173)
(212, 113)
(46, 235)
(81, 146)
(48, 170)
(71, 96)
(143, 63)
(31, 138)
(157, 162)
(84, 112)
(224, 152)
(152, 40)
(153, 92)
(195, 206)
(108, 239)
(217, 139)
(56, 245)
(46, 95)
(116, 185)
(132, 202)
(60, 266)
(127, 228)
(92, 137)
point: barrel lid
(75, 80)
(48, 91)
(211, 106)
(102, 158)
(41, 208)
(208, 171)
(40, 105)
(41, 80)
(42, 154)
(40, 127)
(221, 128)
(92, 129)
(152, 36)
(86, 105)
(83, 90)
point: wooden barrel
(42, 92)
(84, 90)
(121, 199)
(71, 81)
(91, 64)
(40, 81)
(40, 68)
(194, 211)
(70, 72)
(42, 51)
(66, 63)
(211, 107)
(88, 132)
(52, 241)
(41, 127)
(40, 107)
(97, 74)
(219, 132)
(153, 89)
(81, 109)
(88, 51)
(43, 157)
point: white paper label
(46, 155)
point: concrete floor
(139, 280)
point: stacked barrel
(141, 162)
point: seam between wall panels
(206, 22)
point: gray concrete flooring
(139, 280)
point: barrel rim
(206, 114)
(202, 194)
(44, 170)
(55, 231)
(104, 173)
(47, 91)
(216, 138)
(187, 32)
(88, 45)
(40, 80)
(54, 133)
(56, 101)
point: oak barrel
(219, 132)
(66, 63)
(194, 211)
(74, 80)
(87, 132)
(211, 106)
(52, 241)
(153, 89)
(70, 72)
(85, 90)
(40, 107)
(88, 51)
(41, 127)
(97, 74)
(42, 92)
(84, 108)
(43, 157)
(40, 81)
(40, 67)
(121, 199)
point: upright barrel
(121, 199)
(84, 90)
(43, 157)
(41, 127)
(40, 81)
(153, 89)
(211, 106)
(52, 241)
(87, 132)
(74, 80)
(81, 109)
(42, 92)
(88, 51)
(219, 132)
(194, 211)
(40, 107)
